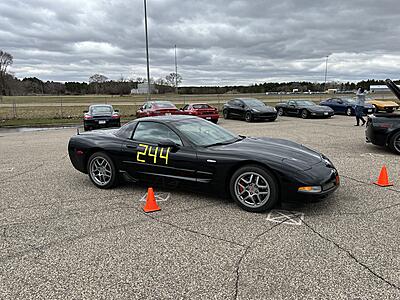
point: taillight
(115, 116)
(194, 112)
(87, 117)
(384, 125)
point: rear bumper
(95, 124)
(211, 117)
(375, 135)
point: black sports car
(346, 106)
(304, 109)
(248, 109)
(101, 116)
(257, 172)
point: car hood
(280, 150)
(383, 103)
(318, 108)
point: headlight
(273, 109)
(255, 110)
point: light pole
(176, 73)
(326, 71)
(147, 51)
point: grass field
(59, 110)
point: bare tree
(6, 60)
(173, 79)
(96, 79)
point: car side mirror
(141, 108)
(167, 143)
(116, 110)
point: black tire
(304, 114)
(86, 128)
(390, 110)
(394, 143)
(349, 111)
(107, 184)
(225, 114)
(271, 120)
(281, 112)
(215, 121)
(248, 117)
(265, 175)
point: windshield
(305, 103)
(349, 101)
(164, 105)
(101, 109)
(253, 103)
(204, 133)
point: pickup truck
(383, 129)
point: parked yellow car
(384, 105)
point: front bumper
(322, 114)
(265, 115)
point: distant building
(331, 91)
(143, 88)
(378, 88)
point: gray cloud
(219, 42)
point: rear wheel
(225, 113)
(349, 111)
(394, 143)
(102, 171)
(304, 114)
(390, 110)
(248, 117)
(281, 112)
(254, 188)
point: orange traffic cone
(383, 179)
(151, 204)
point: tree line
(100, 84)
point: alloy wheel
(252, 189)
(100, 171)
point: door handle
(131, 146)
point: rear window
(100, 109)
(164, 105)
(201, 106)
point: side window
(126, 131)
(153, 132)
(291, 103)
(185, 107)
(231, 102)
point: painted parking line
(159, 196)
(286, 217)
(3, 170)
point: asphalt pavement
(62, 238)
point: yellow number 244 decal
(152, 154)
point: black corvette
(101, 116)
(248, 109)
(257, 172)
(304, 109)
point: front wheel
(304, 114)
(225, 113)
(101, 170)
(248, 117)
(390, 110)
(254, 188)
(394, 143)
(280, 112)
(349, 111)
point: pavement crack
(247, 249)
(190, 230)
(352, 256)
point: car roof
(245, 99)
(94, 105)
(168, 119)
(160, 101)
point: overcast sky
(219, 42)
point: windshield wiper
(226, 142)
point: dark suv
(248, 109)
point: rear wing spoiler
(393, 87)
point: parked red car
(202, 110)
(158, 108)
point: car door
(291, 108)
(234, 108)
(148, 159)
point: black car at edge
(304, 109)
(256, 171)
(101, 116)
(248, 109)
(383, 129)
